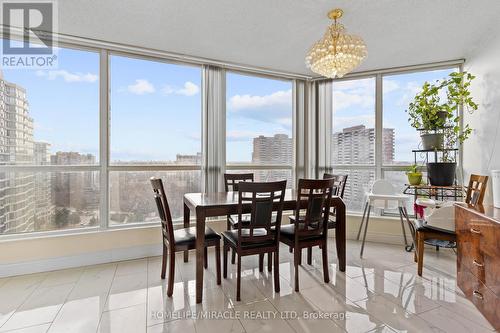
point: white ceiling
(276, 34)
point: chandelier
(337, 53)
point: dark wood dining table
(226, 203)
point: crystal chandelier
(336, 53)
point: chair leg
(362, 220)
(276, 271)
(309, 256)
(300, 256)
(238, 280)
(217, 261)
(415, 254)
(324, 258)
(269, 261)
(420, 252)
(224, 259)
(171, 273)
(364, 234)
(290, 249)
(164, 261)
(402, 225)
(233, 256)
(261, 262)
(205, 256)
(296, 259)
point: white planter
(495, 182)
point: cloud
(189, 89)
(141, 87)
(68, 76)
(235, 136)
(339, 122)
(278, 98)
(354, 93)
(390, 86)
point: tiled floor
(380, 293)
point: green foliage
(429, 112)
(413, 169)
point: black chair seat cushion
(232, 237)
(233, 220)
(288, 231)
(187, 236)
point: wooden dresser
(478, 260)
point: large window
(155, 131)
(49, 145)
(353, 137)
(259, 127)
(355, 130)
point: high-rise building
(17, 195)
(44, 212)
(78, 190)
(188, 159)
(356, 145)
(277, 149)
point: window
(353, 137)
(155, 131)
(354, 150)
(259, 127)
(49, 122)
(398, 92)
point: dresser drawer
(468, 238)
(483, 298)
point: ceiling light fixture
(337, 53)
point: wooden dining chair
(339, 182)
(261, 234)
(181, 239)
(231, 181)
(309, 229)
(434, 234)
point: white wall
(482, 150)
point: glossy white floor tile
(379, 293)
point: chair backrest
(476, 189)
(163, 210)
(231, 180)
(317, 194)
(339, 182)
(382, 186)
(261, 197)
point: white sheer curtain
(214, 128)
(324, 109)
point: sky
(156, 107)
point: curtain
(324, 100)
(214, 128)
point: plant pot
(431, 141)
(441, 174)
(414, 178)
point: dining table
(214, 204)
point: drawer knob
(475, 231)
(477, 294)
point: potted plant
(414, 175)
(435, 112)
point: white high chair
(383, 195)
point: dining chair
(181, 239)
(438, 225)
(339, 182)
(262, 233)
(309, 229)
(231, 181)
